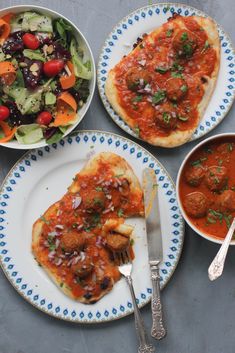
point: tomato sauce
(158, 51)
(90, 201)
(219, 213)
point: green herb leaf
(137, 98)
(99, 188)
(176, 74)
(158, 97)
(182, 118)
(161, 70)
(184, 88)
(132, 242)
(120, 213)
(137, 131)
(169, 32)
(184, 36)
(166, 117)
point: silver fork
(125, 267)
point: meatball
(95, 201)
(176, 88)
(226, 201)
(117, 242)
(185, 43)
(195, 204)
(83, 268)
(166, 120)
(194, 175)
(72, 241)
(216, 177)
(137, 79)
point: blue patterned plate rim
(99, 137)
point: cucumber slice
(27, 134)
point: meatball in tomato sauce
(83, 267)
(137, 78)
(185, 43)
(167, 120)
(72, 241)
(195, 204)
(226, 201)
(216, 177)
(194, 175)
(176, 88)
(117, 242)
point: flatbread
(111, 178)
(119, 96)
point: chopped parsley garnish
(118, 175)
(98, 202)
(187, 49)
(61, 284)
(166, 117)
(132, 242)
(137, 98)
(198, 161)
(184, 88)
(158, 97)
(176, 74)
(230, 147)
(137, 131)
(99, 188)
(161, 70)
(206, 45)
(177, 67)
(169, 32)
(120, 213)
(214, 216)
(184, 36)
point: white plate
(87, 56)
(144, 20)
(39, 179)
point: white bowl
(204, 235)
(87, 55)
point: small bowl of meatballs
(206, 187)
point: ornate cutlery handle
(216, 267)
(158, 331)
(145, 346)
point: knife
(155, 252)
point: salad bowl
(36, 132)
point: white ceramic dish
(119, 43)
(210, 139)
(87, 55)
(40, 178)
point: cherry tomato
(53, 67)
(30, 41)
(44, 118)
(4, 112)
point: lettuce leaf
(27, 134)
(80, 69)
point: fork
(124, 262)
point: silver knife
(155, 252)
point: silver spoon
(216, 267)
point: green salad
(44, 78)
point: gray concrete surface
(200, 315)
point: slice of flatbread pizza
(76, 237)
(162, 87)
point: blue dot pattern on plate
(144, 14)
(93, 138)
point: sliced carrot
(8, 132)
(7, 18)
(67, 98)
(7, 72)
(66, 110)
(68, 81)
(5, 30)
(64, 119)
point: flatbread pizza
(77, 237)
(163, 86)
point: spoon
(216, 267)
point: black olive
(87, 295)
(105, 283)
